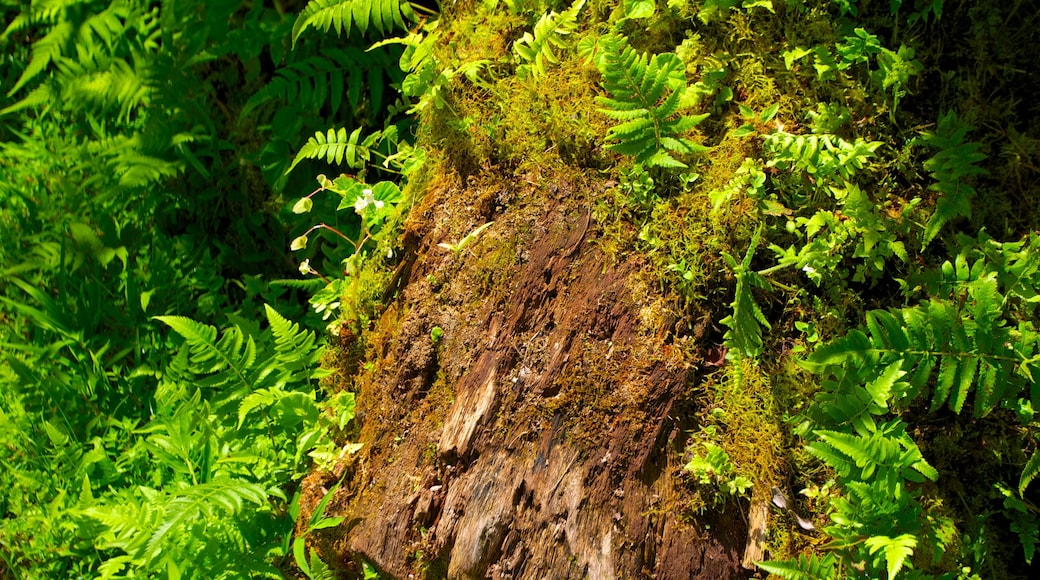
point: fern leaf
(803, 568)
(550, 32)
(1029, 473)
(745, 324)
(950, 166)
(343, 15)
(222, 361)
(44, 51)
(317, 81)
(897, 550)
(257, 399)
(336, 145)
(638, 85)
(220, 499)
(296, 349)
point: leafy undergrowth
(838, 199)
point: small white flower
(305, 267)
(808, 269)
(365, 200)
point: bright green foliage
(950, 166)
(744, 337)
(856, 231)
(971, 346)
(969, 353)
(211, 466)
(821, 156)
(957, 346)
(803, 568)
(550, 32)
(381, 15)
(718, 9)
(337, 146)
(428, 80)
(645, 94)
(715, 468)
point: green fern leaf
(550, 32)
(803, 568)
(897, 550)
(220, 499)
(950, 167)
(382, 15)
(222, 362)
(297, 350)
(638, 85)
(1029, 473)
(44, 51)
(744, 336)
(314, 82)
(337, 145)
(258, 399)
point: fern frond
(1029, 472)
(44, 51)
(224, 360)
(950, 167)
(747, 321)
(336, 145)
(821, 156)
(220, 499)
(335, 77)
(383, 15)
(887, 455)
(966, 349)
(296, 349)
(646, 93)
(106, 83)
(897, 550)
(550, 32)
(804, 568)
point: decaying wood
(537, 438)
(758, 516)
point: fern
(744, 336)
(950, 166)
(233, 361)
(383, 15)
(337, 145)
(885, 455)
(646, 93)
(971, 347)
(46, 50)
(336, 77)
(803, 568)
(296, 350)
(1029, 473)
(897, 550)
(550, 32)
(821, 156)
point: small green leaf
(744, 130)
(299, 549)
(768, 114)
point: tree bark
(542, 435)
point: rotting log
(539, 437)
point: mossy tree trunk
(540, 435)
